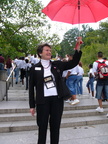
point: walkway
(91, 134)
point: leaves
(94, 41)
(22, 27)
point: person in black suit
(45, 79)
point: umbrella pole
(79, 17)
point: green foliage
(22, 27)
(90, 54)
(68, 42)
(94, 41)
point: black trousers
(50, 112)
(27, 79)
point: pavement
(97, 134)
(93, 134)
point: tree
(94, 41)
(22, 26)
(103, 32)
(69, 39)
(68, 42)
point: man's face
(46, 53)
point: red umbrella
(76, 11)
(105, 2)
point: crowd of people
(48, 104)
(41, 72)
(74, 80)
(21, 67)
(72, 77)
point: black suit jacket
(36, 81)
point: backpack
(102, 69)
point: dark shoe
(104, 100)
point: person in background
(45, 77)
(31, 58)
(101, 83)
(67, 57)
(2, 61)
(64, 77)
(22, 66)
(8, 65)
(80, 79)
(59, 58)
(71, 79)
(35, 60)
(90, 83)
(28, 65)
(104, 98)
(17, 70)
(26, 57)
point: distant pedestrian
(8, 65)
(90, 83)
(31, 59)
(2, 61)
(71, 82)
(27, 72)
(104, 98)
(26, 57)
(102, 82)
(17, 70)
(80, 79)
(22, 66)
(35, 60)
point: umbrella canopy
(105, 2)
(76, 11)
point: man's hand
(32, 111)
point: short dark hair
(80, 64)
(90, 65)
(105, 58)
(100, 54)
(40, 48)
(26, 60)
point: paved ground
(95, 134)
